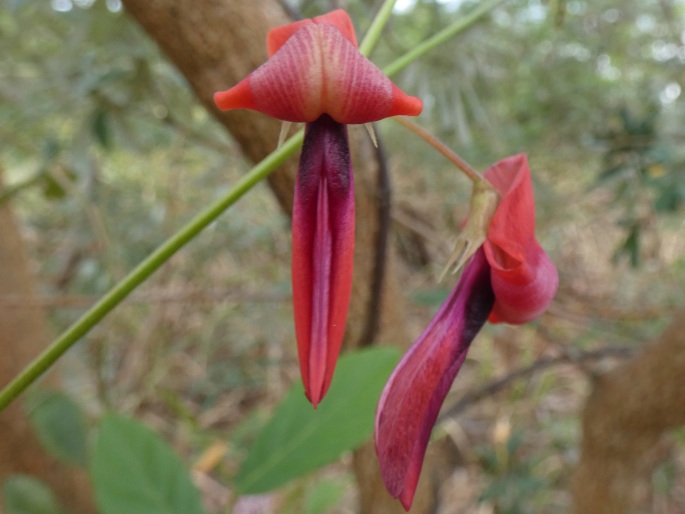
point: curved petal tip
(413, 395)
(238, 97)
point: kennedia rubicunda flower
(509, 279)
(316, 75)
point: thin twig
(429, 138)
(384, 199)
(499, 384)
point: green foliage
(134, 470)
(24, 494)
(321, 498)
(299, 439)
(643, 166)
(106, 151)
(513, 486)
(60, 425)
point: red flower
(315, 74)
(523, 277)
(315, 68)
(509, 279)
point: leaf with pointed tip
(299, 439)
(135, 471)
(23, 494)
(60, 425)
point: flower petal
(513, 225)
(524, 292)
(323, 249)
(523, 276)
(316, 71)
(339, 19)
(412, 398)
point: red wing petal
(411, 400)
(323, 249)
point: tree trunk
(215, 44)
(626, 415)
(23, 335)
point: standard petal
(523, 276)
(411, 400)
(323, 249)
(513, 225)
(288, 86)
(317, 70)
(357, 91)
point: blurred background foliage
(105, 152)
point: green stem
(460, 25)
(374, 33)
(148, 266)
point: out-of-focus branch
(628, 412)
(495, 386)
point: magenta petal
(323, 251)
(412, 398)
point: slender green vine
(379, 22)
(463, 23)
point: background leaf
(299, 439)
(60, 425)
(134, 470)
(24, 494)
(324, 496)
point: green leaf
(299, 439)
(24, 494)
(324, 496)
(134, 470)
(60, 425)
(669, 197)
(631, 246)
(101, 129)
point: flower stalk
(443, 149)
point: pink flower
(315, 74)
(509, 279)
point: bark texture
(23, 335)
(626, 416)
(216, 43)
